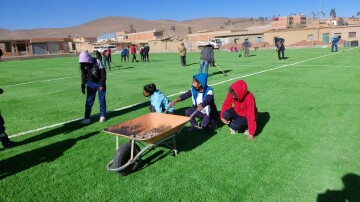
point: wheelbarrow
(152, 129)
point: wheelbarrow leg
(174, 143)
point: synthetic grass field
(307, 146)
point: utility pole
(319, 20)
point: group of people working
(238, 111)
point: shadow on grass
(75, 125)
(49, 153)
(350, 192)
(64, 129)
(262, 119)
(194, 63)
(219, 72)
(185, 141)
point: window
(259, 39)
(310, 37)
(352, 34)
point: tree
(333, 13)
(221, 27)
(189, 30)
(358, 14)
(341, 22)
(132, 29)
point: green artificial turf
(307, 146)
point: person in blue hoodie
(202, 101)
(334, 43)
(158, 101)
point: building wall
(296, 35)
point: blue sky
(31, 14)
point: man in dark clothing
(280, 48)
(6, 142)
(206, 58)
(203, 103)
(146, 53)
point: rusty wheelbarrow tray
(153, 128)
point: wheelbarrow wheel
(123, 155)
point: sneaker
(232, 131)
(9, 145)
(102, 119)
(246, 132)
(85, 121)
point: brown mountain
(114, 24)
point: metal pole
(319, 20)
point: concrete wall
(295, 35)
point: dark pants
(123, 57)
(92, 88)
(332, 48)
(282, 53)
(109, 58)
(106, 60)
(3, 137)
(205, 119)
(183, 60)
(146, 57)
(237, 122)
(133, 57)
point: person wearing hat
(246, 47)
(93, 77)
(182, 51)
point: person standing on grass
(334, 43)
(246, 47)
(202, 102)
(280, 47)
(106, 53)
(158, 101)
(109, 57)
(93, 77)
(5, 141)
(182, 51)
(239, 110)
(133, 53)
(206, 58)
(142, 53)
(146, 53)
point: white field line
(43, 81)
(137, 104)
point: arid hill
(114, 24)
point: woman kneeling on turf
(239, 110)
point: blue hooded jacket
(208, 99)
(160, 102)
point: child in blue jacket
(158, 101)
